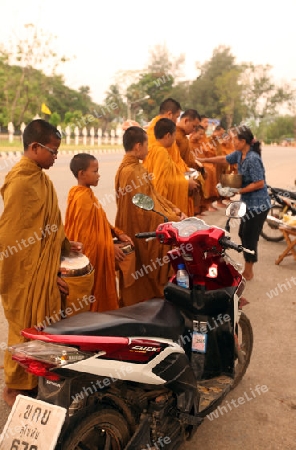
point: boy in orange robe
(152, 268)
(86, 221)
(202, 148)
(171, 109)
(187, 124)
(169, 179)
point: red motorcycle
(145, 376)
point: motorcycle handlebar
(148, 234)
(225, 242)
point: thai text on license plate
(32, 425)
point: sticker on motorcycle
(199, 342)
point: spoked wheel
(270, 230)
(244, 347)
(105, 429)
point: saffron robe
(86, 222)
(188, 156)
(174, 153)
(186, 152)
(31, 238)
(205, 149)
(152, 268)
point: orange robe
(31, 239)
(168, 179)
(186, 153)
(204, 149)
(226, 149)
(86, 222)
(188, 156)
(152, 268)
(182, 167)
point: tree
(148, 93)
(22, 82)
(162, 62)
(55, 119)
(276, 129)
(206, 92)
(261, 96)
(229, 93)
(144, 90)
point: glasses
(53, 152)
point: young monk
(200, 146)
(31, 239)
(171, 109)
(152, 268)
(169, 180)
(187, 124)
(86, 221)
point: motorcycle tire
(244, 347)
(103, 429)
(270, 232)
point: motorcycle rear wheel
(103, 429)
(269, 231)
(244, 347)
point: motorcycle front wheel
(103, 429)
(243, 348)
(270, 231)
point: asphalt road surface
(266, 419)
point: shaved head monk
(171, 109)
(152, 267)
(31, 240)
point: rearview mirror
(143, 201)
(236, 210)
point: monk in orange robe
(202, 148)
(171, 109)
(188, 122)
(152, 263)
(31, 240)
(168, 179)
(86, 221)
(227, 147)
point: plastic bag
(226, 191)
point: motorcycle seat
(285, 193)
(155, 317)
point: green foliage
(148, 93)
(231, 92)
(55, 119)
(276, 129)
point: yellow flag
(45, 109)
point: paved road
(266, 421)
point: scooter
(145, 376)
(282, 202)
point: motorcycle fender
(236, 313)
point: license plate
(32, 425)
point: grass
(16, 145)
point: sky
(101, 38)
